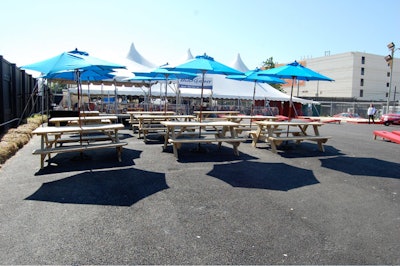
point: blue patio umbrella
(62, 62)
(252, 76)
(71, 60)
(205, 64)
(294, 71)
(163, 72)
(76, 63)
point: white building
(358, 76)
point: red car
(391, 118)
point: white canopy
(223, 88)
(110, 90)
(134, 62)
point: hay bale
(7, 150)
(37, 120)
(18, 139)
(26, 129)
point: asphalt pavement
(300, 206)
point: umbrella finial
(205, 56)
(76, 51)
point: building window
(361, 93)
(361, 82)
(388, 74)
(387, 84)
(362, 71)
(363, 60)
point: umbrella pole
(88, 91)
(116, 97)
(201, 106)
(290, 105)
(253, 103)
(102, 98)
(150, 101)
(166, 89)
(79, 89)
(201, 98)
(291, 99)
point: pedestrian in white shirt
(371, 113)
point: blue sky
(163, 30)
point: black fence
(18, 95)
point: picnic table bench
(135, 122)
(393, 136)
(176, 130)
(105, 119)
(213, 115)
(53, 138)
(246, 122)
(277, 132)
(152, 123)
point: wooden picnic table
(89, 113)
(134, 121)
(132, 114)
(240, 118)
(179, 132)
(275, 132)
(84, 119)
(53, 139)
(213, 114)
(151, 123)
(246, 122)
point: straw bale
(7, 150)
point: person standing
(371, 113)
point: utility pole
(390, 60)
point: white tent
(134, 62)
(135, 56)
(110, 90)
(224, 88)
(239, 64)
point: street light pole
(390, 60)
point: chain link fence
(332, 108)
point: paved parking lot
(299, 206)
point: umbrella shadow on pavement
(362, 166)
(273, 176)
(90, 160)
(115, 187)
(208, 152)
(306, 149)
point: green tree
(268, 64)
(57, 87)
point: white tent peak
(189, 55)
(135, 56)
(238, 64)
